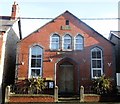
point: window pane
(36, 50)
(96, 73)
(35, 72)
(55, 46)
(55, 40)
(36, 63)
(67, 46)
(67, 41)
(98, 54)
(33, 63)
(78, 41)
(79, 47)
(94, 64)
(93, 54)
(98, 63)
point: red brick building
(66, 52)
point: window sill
(67, 50)
(61, 50)
(55, 50)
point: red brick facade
(79, 59)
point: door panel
(61, 80)
(65, 79)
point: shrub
(31, 86)
(102, 85)
(36, 85)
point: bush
(36, 85)
(102, 85)
(31, 86)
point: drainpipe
(19, 26)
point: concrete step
(69, 99)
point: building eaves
(6, 23)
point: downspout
(19, 26)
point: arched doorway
(65, 77)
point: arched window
(78, 42)
(55, 42)
(96, 62)
(35, 62)
(67, 42)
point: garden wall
(100, 98)
(50, 98)
(30, 98)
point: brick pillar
(56, 94)
(81, 94)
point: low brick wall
(91, 98)
(30, 98)
(27, 98)
(99, 98)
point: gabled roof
(78, 21)
(6, 23)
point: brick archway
(67, 76)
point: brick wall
(31, 98)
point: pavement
(70, 103)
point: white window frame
(57, 43)
(30, 58)
(63, 42)
(80, 43)
(100, 59)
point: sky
(83, 9)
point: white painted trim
(29, 70)
(50, 46)
(98, 59)
(63, 42)
(80, 44)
